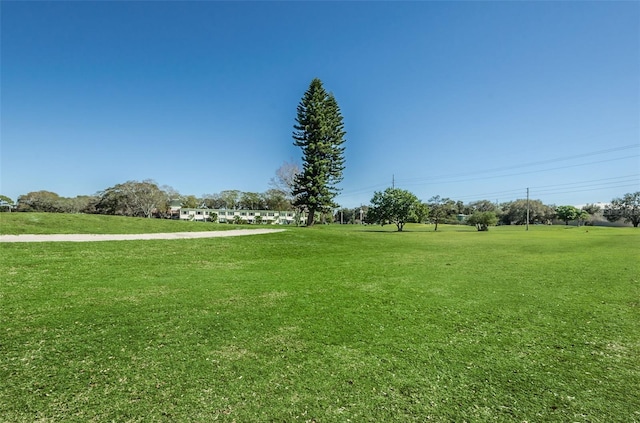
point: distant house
(6, 206)
(273, 217)
(174, 209)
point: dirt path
(128, 237)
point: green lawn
(59, 223)
(325, 324)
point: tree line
(393, 206)
(397, 206)
(147, 199)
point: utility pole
(527, 208)
(393, 181)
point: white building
(272, 217)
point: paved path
(128, 237)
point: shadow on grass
(421, 231)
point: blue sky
(468, 100)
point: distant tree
(113, 201)
(592, 209)
(440, 209)
(515, 212)
(275, 199)
(132, 198)
(80, 204)
(40, 201)
(171, 198)
(213, 201)
(459, 207)
(171, 194)
(482, 220)
(420, 212)
(567, 213)
(394, 205)
(230, 199)
(582, 217)
(189, 202)
(627, 208)
(482, 206)
(319, 132)
(284, 180)
(589, 212)
(145, 197)
(251, 201)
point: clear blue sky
(469, 100)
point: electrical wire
(556, 189)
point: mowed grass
(59, 223)
(326, 324)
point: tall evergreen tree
(319, 132)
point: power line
(528, 172)
(439, 179)
(615, 182)
(552, 192)
(636, 175)
(519, 166)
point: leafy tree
(40, 201)
(627, 208)
(592, 209)
(78, 204)
(319, 132)
(213, 201)
(482, 206)
(567, 213)
(582, 217)
(144, 197)
(440, 209)
(274, 199)
(189, 202)
(420, 212)
(251, 201)
(394, 205)
(132, 198)
(482, 220)
(171, 198)
(230, 199)
(516, 212)
(113, 201)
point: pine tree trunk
(310, 217)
